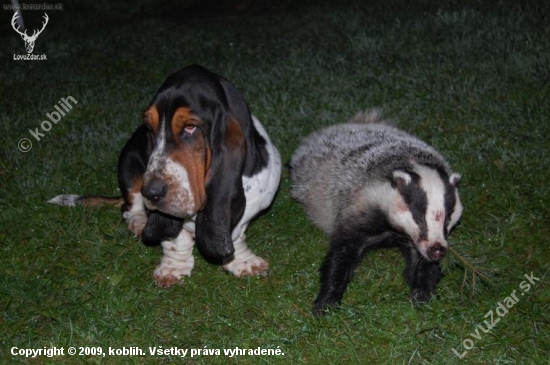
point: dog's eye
(190, 129)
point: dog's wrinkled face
(174, 182)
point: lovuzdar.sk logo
(29, 40)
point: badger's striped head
(426, 207)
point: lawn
(472, 78)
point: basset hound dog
(196, 172)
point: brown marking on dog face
(195, 158)
(136, 185)
(184, 119)
(135, 188)
(151, 117)
(129, 197)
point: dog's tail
(70, 200)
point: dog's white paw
(166, 275)
(136, 221)
(252, 266)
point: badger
(369, 185)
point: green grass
(472, 78)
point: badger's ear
(454, 179)
(400, 179)
(225, 199)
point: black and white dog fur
(196, 172)
(370, 185)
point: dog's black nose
(154, 190)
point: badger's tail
(70, 200)
(368, 117)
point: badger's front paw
(252, 266)
(421, 296)
(322, 307)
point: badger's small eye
(190, 129)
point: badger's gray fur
(368, 184)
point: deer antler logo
(29, 41)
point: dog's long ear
(225, 199)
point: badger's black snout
(154, 189)
(437, 251)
